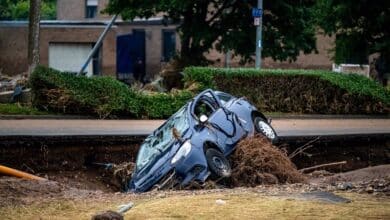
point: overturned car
(195, 142)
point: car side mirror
(203, 119)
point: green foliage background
(19, 9)
(361, 27)
(228, 25)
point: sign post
(257, 14)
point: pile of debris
(8, 83)
(12, 88)
(256, 161)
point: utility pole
(97, 44)
(258, 35)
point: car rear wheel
(266, 129)
(219, 166)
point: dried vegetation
(256, 161)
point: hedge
(296, 91)
(100, 96)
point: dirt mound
(374, 180)
(16, 191)
(365, 174)
(256, 161)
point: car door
(221, 122)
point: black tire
(219, 166)
(262, 126)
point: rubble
(118, 175)
(8, 83)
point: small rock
(220, 202)
(369, 189)
(125, 207)
(344, 186)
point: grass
(18, 109)
(240, 205)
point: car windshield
(224, 97)
(160, 141)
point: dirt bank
(79, 185)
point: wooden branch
(322, 165)
(219, 11)
(303, 148)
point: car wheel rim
(219, 163)
(266, 130)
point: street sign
(256, 21)
(257, 12)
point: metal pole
(228, 57)
(258, 36)
(97, 45)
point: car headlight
(182, 152)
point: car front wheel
(264, 128)
(219, 166)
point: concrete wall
(320, 60)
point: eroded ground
(81, 194)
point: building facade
(66, 42)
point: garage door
(69, 57)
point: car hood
(144, 179)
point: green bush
(162, 105)
(100, 96)
(297, 91)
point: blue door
(129, 48)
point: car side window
(203, 108)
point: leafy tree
(228, 25)
(19, 9)
(361, 28)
